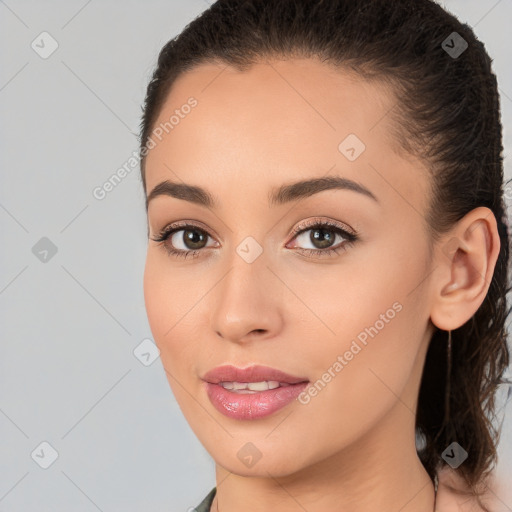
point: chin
(257, 459)
(261, 468)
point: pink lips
(255, 405)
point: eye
(322, 236)
(183, 239)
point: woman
(328, 251)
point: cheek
(168, 295)
(173, 299)
(156, 296)
(165, 303)
(355, 383)
(376, 320)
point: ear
(463, 268)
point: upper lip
(255, 373)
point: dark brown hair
(447, 114)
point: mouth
(251, 393)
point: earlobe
(464, 266)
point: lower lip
(245, 406)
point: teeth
(262, 386)
(251, 386)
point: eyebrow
(277, 196)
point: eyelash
(350, 238)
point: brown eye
(183, 240)
(322, 236)
(192, 238)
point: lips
(255, 373)
(242, 404)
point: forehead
(276, 121)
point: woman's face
(354, 322)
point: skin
(352, 447)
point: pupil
(321, 236)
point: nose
(248, 302)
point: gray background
(70, 325)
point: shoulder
(449, 500)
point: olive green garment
(205, 505)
